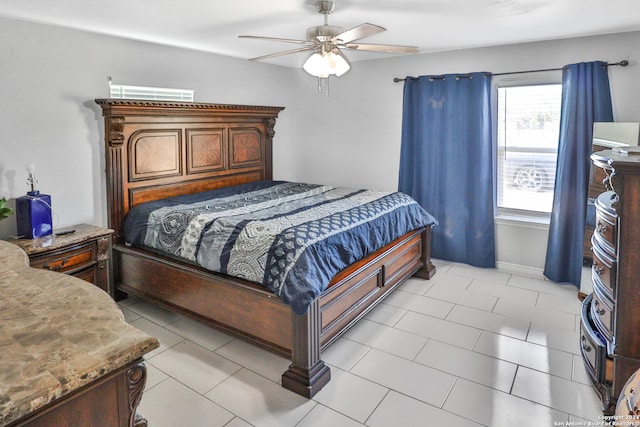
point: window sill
(529, 221)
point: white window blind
(528, 131)
(150, 93)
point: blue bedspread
(293, 238)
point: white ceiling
(432, 25)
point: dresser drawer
(593, 347)
(604, 269)
(596, 182)
(606, 227)
(602, 312)
(68, 259)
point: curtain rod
(622, 63)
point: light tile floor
(471, 347)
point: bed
(159, 150)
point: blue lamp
(33, 211)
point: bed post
(115, 197)
(307, 373)
(270, 123)
(428, 269)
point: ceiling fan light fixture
(324, 64)
(328, 41)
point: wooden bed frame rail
(156, 150)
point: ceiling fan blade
(359, 32)
(388, 48)
(277, 39)
(286, 52)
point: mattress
(290, 237)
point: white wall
(359, 142)
(51, 75)
(49, 79)
(362, 117)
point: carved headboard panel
(163, 149)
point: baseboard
(521, 270)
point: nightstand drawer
(88, 275)
(82, 250)
(74, 258)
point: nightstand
(84, 253)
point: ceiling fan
(327, 41)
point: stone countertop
(57, 334)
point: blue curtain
(586, 98)
(446, 162)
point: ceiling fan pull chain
(324, 80)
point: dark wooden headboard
(163, 149)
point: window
(528, 130)
(150, 93)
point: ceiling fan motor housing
(323, 32)
(325, 7)
(326, 32)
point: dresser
(610, 319)
(68, 358)
(596, 176)
(81, 250)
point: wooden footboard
(253, 313)
(351, 295)
(238, 307)
(356, 290)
